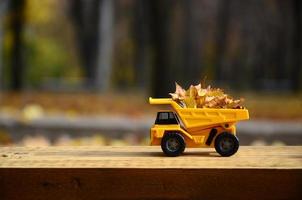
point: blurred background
(79, 72)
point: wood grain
(144, 173)
(289, 157)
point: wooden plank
(148, 157)
(144, 173)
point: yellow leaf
(198, 87)
(174, 96)
(190, 102)
(202, 92)
(179, 90)
(192, 92)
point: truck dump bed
(203, 117)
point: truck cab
(168, 123)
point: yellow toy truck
(182, 127)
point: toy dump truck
(182, 127)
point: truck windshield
(166, 118)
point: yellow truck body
(197, 124)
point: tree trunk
(3, 12)
(85, 16)
(105, 45)
(17, 20)
(221, 36)
(192, 50)
(297, 50)
(159, 25)
(141, 28)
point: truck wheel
(226, 144)
(173, 144)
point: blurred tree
(191, 42)
(16, 26)
(244, 44)
(105, 45)
(3, 12)
(85, 18)
(296, 72)
(160, 14)
(141, 29)
(93, 22)
(51, 56)
(223, 20)
(125, 72)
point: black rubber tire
(226, 144)
(177, 139)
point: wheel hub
(226, 144)
(173, 144)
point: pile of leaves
(197, 96)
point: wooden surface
(144, 173)
(148, 157)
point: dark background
(84, 58)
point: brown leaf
(200, 96)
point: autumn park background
(79, 72)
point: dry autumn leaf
(197, 96)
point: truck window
(166, 118)
(163, 116)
